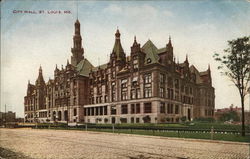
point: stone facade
(146, 86)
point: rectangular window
(135, 62)
(101, 110)
(97, 100)
(176, 83)
(162, 92)
(100, 99)
(132, 108)
(105, 110)
(138, 109)
(176, 109)
(124, 109)
(99, 90)
(162, 79)
(176, 95)
(162, 107)
(147, 108)
(147, 78)
(124, 95)
(137, 120)
(170, 82)
(168, 109)
(133, 94)
(147, 85)
(135, 81)
(113, 92)
(132, 119)
(75, 112)
(138, 93)
(113, 110)
(147, 92)
(171, 109)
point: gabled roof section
(104, 66)
(194, 70)
(161, 50)
(83, 68)
(151, 52)
(204, 73)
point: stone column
(129, 108)
(142, 108)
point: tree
(235, 64)
(229, 116)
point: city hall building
(145, 86)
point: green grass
(197, 125)
(216, 136)
(225, 137)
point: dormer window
(148, 60)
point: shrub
(106, 120)
(146, 119)
(168, 119)
(202, 119)
(184, 118)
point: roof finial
(117, 34)
(28, 81)
(77, 9)
(40, 68)
(208, 67)
(62, 67)
(67, 61)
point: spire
(28, 82)
(186, 61)
(40, 80)
(77, 27)
(117, 49)
(77, 50)
(186, 58)
(40, 69)
(67, 62)
(169, 41)
(135, 42)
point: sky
(198, 28)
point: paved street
(81, 144)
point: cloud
(168, 13)
(137, 13)
(113, 8)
